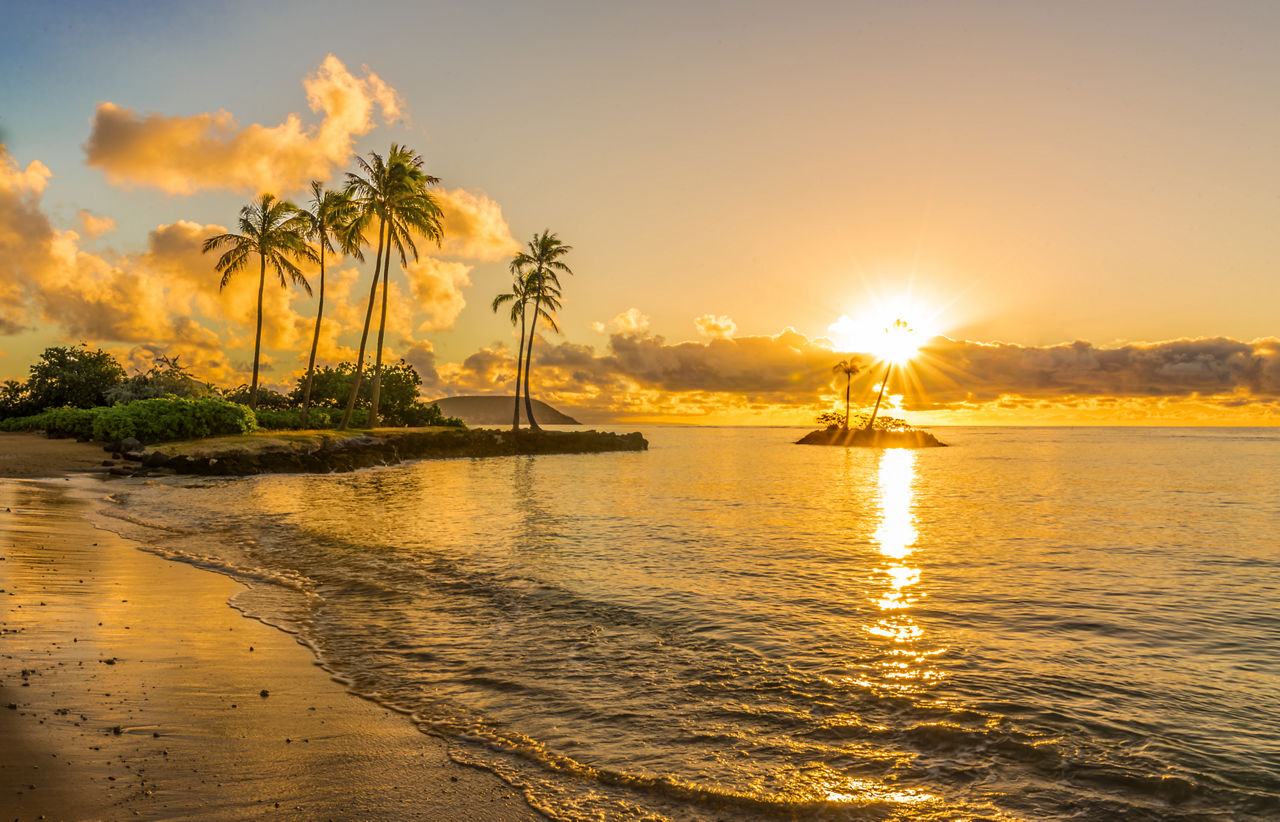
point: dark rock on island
(862, 438)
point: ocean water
(1034, 624)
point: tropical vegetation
(330, 215)
(394, 192)
(161, 419)
(848, 367)
(535, 295)
(273, 230)
(75, 391)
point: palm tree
(270, 228)
(542, 267)
(847, 367)
(899, 327)
(328, 217)
(394, 192)
(519, 299)
(888, 368)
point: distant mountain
(497, 411)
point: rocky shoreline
(861, 438)
(322, 452)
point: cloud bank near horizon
(642, 375)
(164, 299)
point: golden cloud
(787, 378)
(25, 238)
(182, 155)
(716, 327)
(437, 290)
(474, 227)
(95, 225)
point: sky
(1076, 205)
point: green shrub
(166, 376)
(266, 398)
(69, 422)
(291, 419)
(56, 422)
(396, 398)
(172, 418)
(28, 423)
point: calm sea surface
(1033, 624)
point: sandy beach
(130, 689)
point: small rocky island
(323, 452)
(872, 438)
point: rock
(155, 459)
(129, 444)
(861, 438)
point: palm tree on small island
(329, 216)
(394, 192)
(271, 229)
(847, 367)
(541, 266)
(899, 329)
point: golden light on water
(896, 532)
(895, 538)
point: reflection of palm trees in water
(895, 539)
(536, 525)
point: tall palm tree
(888, 369)
(394, 192)
(328, 217)
(271, 229)
(847, 367)
(542, 266)
(899, 327)
(518, 297)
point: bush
(27, 423)
(56, 422)
(172, 418)
(397, 397)
(291, 419)
(72, 375)
(69, 422)
(266, 398)
(166, 377)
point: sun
(891, 331)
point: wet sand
(35, 455)
(130, 689)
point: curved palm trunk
(364, 336)
(515, 418)
(528, 366)
(315, 343)
(848, 378)
(257, 337)
(888, 369)
(377, 368)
